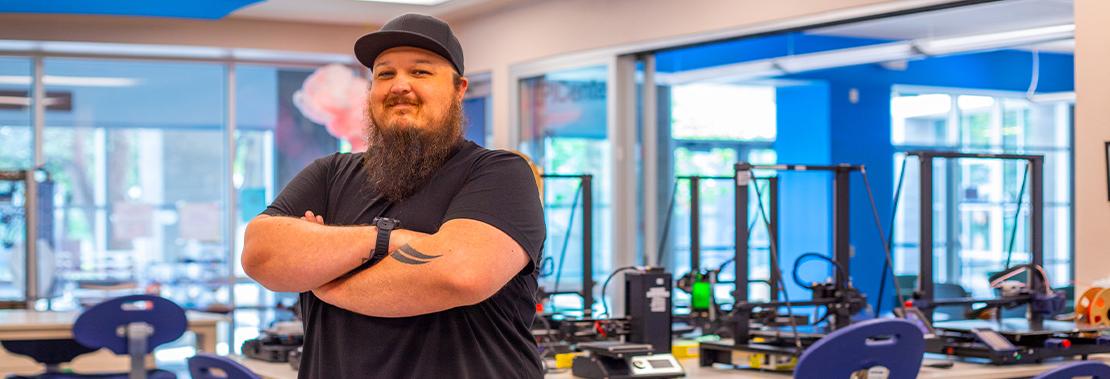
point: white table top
(22, 317)
(26, 324)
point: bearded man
(417, 258)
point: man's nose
(401, 86)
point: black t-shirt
(491, 339)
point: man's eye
(385, 74)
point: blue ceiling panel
(197, 9)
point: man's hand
(311, 217)
(285, 254)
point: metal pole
(774, 200)
(38, 96)
(925, 275)
(1036, 232)
(695, 224)
(587, 245)
(649, 132)
(1036, 229)
(841, 235)
(742, 176)
(841, 223)
(31, 206)
(232, 198)
(31, 228)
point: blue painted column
(860, 129)
(805, 201)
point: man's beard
(400, 159)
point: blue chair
(895, 344)
(1094, 369)
(204, 366)
(51, 353)
(131, 325)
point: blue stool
(202, 365)
(861, 346)
(1097, 370)
(132, 325)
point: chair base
(152, 374)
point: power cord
(798, 263)
(882, 237)
(893, 215)
(1017, 214)
(604, 286)
(775, 258)
(566, 239)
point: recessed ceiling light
(410, 2)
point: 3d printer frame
(837, 298)
(1003, 341)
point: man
(450, 292)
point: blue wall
(805, 198)
(708, 55)
(475, 111)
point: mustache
(421, 152)
(398, 100)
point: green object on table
(701, 294)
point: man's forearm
(464, 263)
(390, 289)
(291, 255)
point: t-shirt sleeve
(307, 191)
(502, 192)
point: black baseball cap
(416, 30)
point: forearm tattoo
(407, 255)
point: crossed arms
(465, 262)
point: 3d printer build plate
(1019, 327)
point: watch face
(386, 223)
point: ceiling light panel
(409, 2)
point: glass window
(702, 111)
(140, 171)
(274, 141)
(564, 129)
(15, 136)
(977, 226)
(15, 113)
(920, 119)
(139, 174)
(476, 107)
(715, 125)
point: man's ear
(464, 83)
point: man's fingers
(312, 217)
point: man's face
(412, 88)
(416, 114)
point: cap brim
(369, 46)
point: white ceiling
(967, 20)
(357, 12)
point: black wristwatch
(385, 225)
